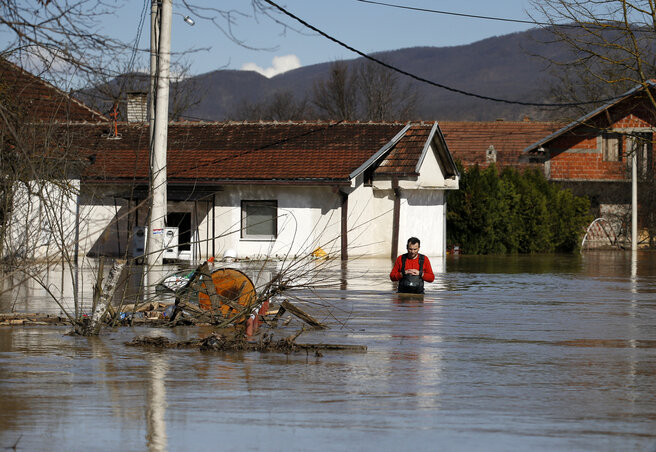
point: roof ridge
(500, 122)
(291, 122)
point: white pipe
(634, 199)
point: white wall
(370, 215)
(423, 216)
(308, 217)
(97, 224)
(43, 219)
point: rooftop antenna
(114, 135)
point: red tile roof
(405, 154)
(39, 100)
(248, 152)
(469, 141)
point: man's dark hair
(414, 241)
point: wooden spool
(234, 291)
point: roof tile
(469, 141)
(241, 151)
(405, 154)
(41, 100)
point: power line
(138, 37)
(422, 79)
(451, 13)
(133, 55)
(600, 25)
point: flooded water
(502, 354)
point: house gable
(420, 159)
(436, 167)
(369, 164)
(595, 147)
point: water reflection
(523, 353)
(19, 293)
(519, 263)
(156, 403)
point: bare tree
(281, 106)
(365, 91)
(62, 42)
(612, 50)
(335, 97)
(383, 96)
(611, 46)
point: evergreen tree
(513, 212)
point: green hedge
(514, 212)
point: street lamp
(188, 20)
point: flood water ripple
(503, 353)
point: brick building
(592, 155)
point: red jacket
(427, 272)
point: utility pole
(154, 43)
(161, 13)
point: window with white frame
(611, 147)
(259, 219)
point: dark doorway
(182, 221)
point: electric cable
(451, 13)
(135, 47)
(425, 80)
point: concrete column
(158, 182)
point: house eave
(214, 182)
(427, 144)
(582, 119)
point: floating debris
(28, 319)
(234, 341)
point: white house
(267, 188)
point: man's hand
(412, 271)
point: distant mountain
(502, 67)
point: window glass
(259, 219)
(611, 145)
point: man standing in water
(412, 269)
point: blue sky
(273, 48)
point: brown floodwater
(503, 353)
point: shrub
(513, 212)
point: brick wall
(631, 121)
(573, 165)
(578, 155)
